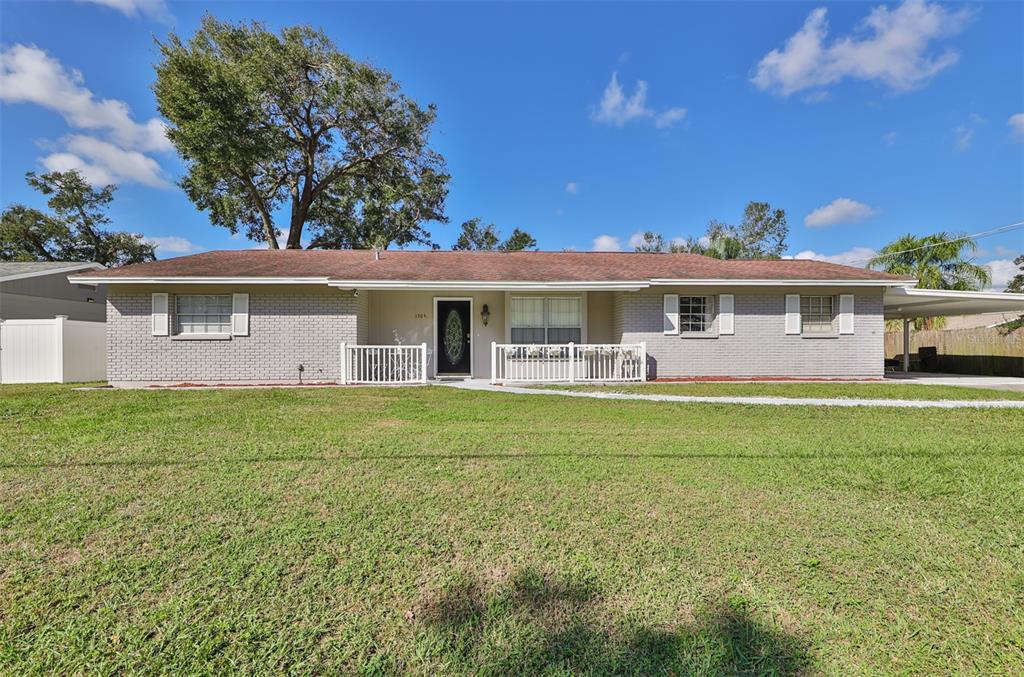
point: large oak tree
(269, 123)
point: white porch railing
(383, 364)
(568, 363)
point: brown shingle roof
(484, 267)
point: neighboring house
(263, 316)
(40, 290)
(988, 320)
(51, 330)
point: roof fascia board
(662, 282)
(626, 285)
(488, 285)
(77, 279)
(52, 271)
(955, 294)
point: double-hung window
(816, 314)
(695, 314)
(202, 313)
(553, 319)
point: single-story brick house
(262, 316)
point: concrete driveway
(964, 380)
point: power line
(985, 233)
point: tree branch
(261, 207)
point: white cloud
(840, 210)
(30, 75)
(637, 239)
(890, 46)
(572, 188)
(857, 256)
(153, 9)
(172, 244)
(890, 138)
(101, 162)
(1016, 125)
(606, 243)
(963, 136)
(818, 96)
(669, 117)
(1002, 271)
(65, 162)
(617, 109)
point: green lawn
(432, 530)
(868, 391)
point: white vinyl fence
(568, 363)
(52, 351)
(383, 364)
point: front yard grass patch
(865, 391)
(439, 531)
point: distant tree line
(74, 230)
(761, 234)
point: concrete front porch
(412, 318)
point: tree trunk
(295, 228)
(300, 210)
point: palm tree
(719, 246)
(938, 261)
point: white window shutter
(160, 320)
(726, 318)
(846, 313)
(792, 313)
(671, 305)
(240, 314)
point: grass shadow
(536, 623)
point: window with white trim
(202, 313)
(696, 314)
(552, 319)
(816, 314)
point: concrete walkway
(1011, 383)
(477, 384)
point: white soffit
(911, 303)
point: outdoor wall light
(485, 314)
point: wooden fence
(982, 351)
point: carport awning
(901, 302)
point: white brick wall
(288, 326)
(760, 346)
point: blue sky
(587, 123)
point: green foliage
(1016, 285)
(519, 241)
(760, 235)
(426, 531)
(75, 231)
(717, 246)
(936, 261)
(762, 232)
(265, 121)
(650, 242)
(478, 237)
(378, 213)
